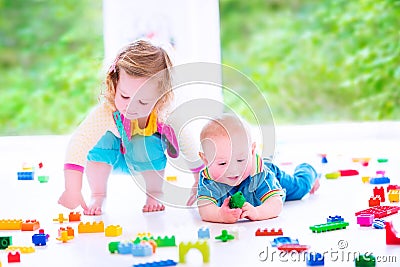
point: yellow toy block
(394, 196)
(10, 224)
(172, 178)
(64, 237)
(201, 246)
(143, 234)
(60, 218)
(365, 179)
(23, 250)
(113, 230)
(27, 166)
(95, 227)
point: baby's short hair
(223, 125)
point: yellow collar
(150, 129)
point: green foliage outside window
(315, 61)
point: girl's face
(135, 97)
(228, 158)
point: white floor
(344, 196)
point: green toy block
(382, 160)
(166, 241)
(331, 226)
(43, 178)
(365, 261)
(5, 241)
(113, 247)
(332, 175)
(225, 236)
(203, 247)
(237, 200)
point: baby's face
(228, 158)
(135, 97)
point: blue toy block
(336, 218)
(156, 264)
(142, 250)
(26, 175)
(379, 180)
(39, 239)
(203, 233)
(283, 240)
(315, 259)
(125, 247)
(378, 224)
(324, 160)
(5, 241)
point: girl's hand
(72, 199)
(249, 211)
(227, 214)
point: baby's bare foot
(95, 206)
(152, 204)
(315, 187)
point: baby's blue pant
(298, 184)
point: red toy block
(374, 201)
(30, 225)
(348, 172)
(379, 192)
(293, 247)
(391, 234)
(392, 187)
(380, 211)
(14, 256)
(74, 217)
(267, 232)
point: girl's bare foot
(95, 207)
(152, 204)
(315, 186)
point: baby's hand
(72, 199)
(227, 214)
(249, 211)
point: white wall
(191, 26)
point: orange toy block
(23, 250)
(374, 201)
(113, 230)
(267, 232)
(74, 217)
(64, 237)
(69, 230)
(10, 224)
(30, 225)
(152, 243)
(60, 218)
(394, 196)
(95, 227)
